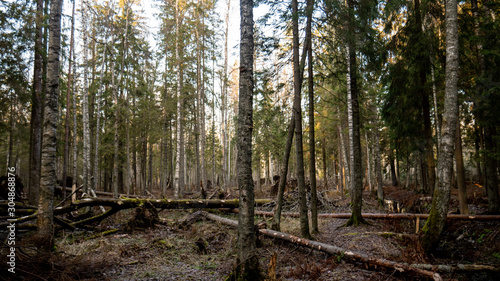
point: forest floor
(206, 250)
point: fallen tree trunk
(333, 250)
(457, 267)
(100, 193)
(127, 203)
(310, 244)
(385, 216)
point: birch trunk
(68, 104)
(75, 129)
(441, 198)
(179, 162)
(45, 219)
(346, 170)
(98, 118)
(85, 105)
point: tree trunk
(68, 104)
(36, 110)
(259, 168)
(150, 168)
(346, 171)
(284, 171)
(423, 65)
(342, 161)
(288, 147)
(85, 105)
(179, 162)
(312, 141)
(440, 201)
(491, 171)
(224, 104)
(96, 177)
(297, 107)
(202, 112)
(247, 260)
(459, 160)
(325, 176)
(378, 168)
(75, 128)
(199, 104)
(394, 177)
(45, 221)
(368, 164)
(116, 141)
(434, 99)
(353, 116)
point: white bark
(179, 161)
(85, 104)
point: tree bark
(98, 118)
(368, 164)
(224, 105)
(36, 110)
(116, 141)
(199, 104)
(325, 175)
(75, 129)
(345, 170)
(491, 171)
(179, 162)
(281, 188)
(68, 104)
(353, 116)
(247, 261)
(297, 107)
(378, 168)
(459, 160)
(431, 233)
(127, 124)
(312, 141)
(85, 104)
(394, 177)
(45, 220)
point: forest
(250, 140)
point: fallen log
(127, 203)
(102, 234)
(100, 193)
(384, 216)
(333, 250)
(457, 267)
